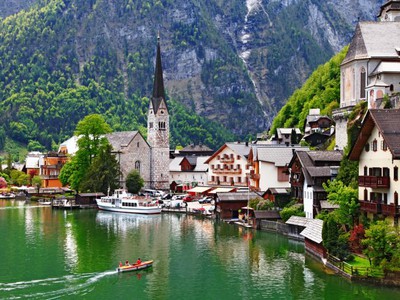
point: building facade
(378, 151)
(371, 68)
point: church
(150, 158)
(371, 68)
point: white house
(378, 151)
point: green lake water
(51, 254)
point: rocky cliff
(235, 62)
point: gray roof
(121, 139)
(239, 148)
(196, 148)
(327, 205)
(267, 214)
(278, 155)
(175, 164)
(313, 231)
(237, 196)
(374, 39)
(298, 221)
(201, 166)
(310, 159)
(279, 190)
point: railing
(374, 181)
(227, 160)
(390, 209)
(355, 271)
(227, 171)
(372, 207)
(255, 176)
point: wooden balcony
(371, 207)
(390, 210)
(374, 181)
(227, 171)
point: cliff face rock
(232, 61)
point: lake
(55, 254)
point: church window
(374, 146)
(384, 145)
(151, 124)
(138, 144)
(162, 112)
(391, 88)
(362, 83)
(161, 125)
(137, 166)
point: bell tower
(158, 129)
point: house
(377, 150)
(280, 196)
(228, 204)
(228, 165)
(318, 128)
(33, 162)
(51, 167)
(189, 171)
(309, 170)
(283, 136)
(269, 165)
(371, 68)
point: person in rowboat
(138, 262)
(127, 263)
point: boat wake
(52, 288)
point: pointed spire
(158, 87)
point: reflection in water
(71, 248)
(122, 222)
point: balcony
(371, 207)
(374, 181)
(390, 210)
(227, 171)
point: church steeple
(158, 87)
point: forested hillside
(232, 62)
(321, 90)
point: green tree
(37, 182)
(103, 174)
(347, 199)
(381, 243)
(67, 172)
(134, 182)
(91, 140)
(335, 240)
(293, 137)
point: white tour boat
(121, 201)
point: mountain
(233, 62)
(10, 7)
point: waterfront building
(371, 68)
(269, 165)
(309, 170)
(228, 165)
(378, 151)
(50, 169)
(188, 171)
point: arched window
(363, 81)
(365, 195)
(375, 145)
(391, 88)
(137, 166)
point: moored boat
(121, 201)
(135, 267)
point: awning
(199, 189)
(222, 190)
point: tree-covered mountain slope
(321, 90)
(233, 62)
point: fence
(355, 271)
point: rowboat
(135, 267)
